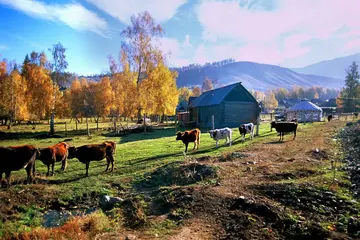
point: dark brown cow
(189, 136)
(329, 117)
(57, 153)
(94, 152)
(16, 158)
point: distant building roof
(216, 96)
(304, 105)
(182, 106)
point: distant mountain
(330, 68)
(253, 76)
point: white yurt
(304, 111)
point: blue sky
(290, 33)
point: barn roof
(304, 105)
(216, 96)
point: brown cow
(57, 153)
(94, 152)
(16, 158)
(189, 136)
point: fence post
(87, 127)
(65, 129)
(257, 125)
(144, 123)
(76, 123)
(213, 122)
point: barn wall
(205, 116)
(236, 113)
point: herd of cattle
(19, 157)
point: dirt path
(262, 163)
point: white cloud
(160, 10)
(74, 15)
(187, 41)
(273, 35)
(3, 47)
(172, 48)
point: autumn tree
(207, 85)
(143, 55)
(39, 91)
(77, 99)
(58, 75)
(196, 92)
(162, 91)
(350, 94)
(270, 101)
(124, 85)
(103, 98)
(281, 94)
(184, 94)
(3, 89)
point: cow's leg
(52, 169)
(194, 145)
(186, 146)
(8, 176)
(294, 135)
(87, 168)
(243, 137)
(48, 172)
(1, 173)
(280, 137)
(108, 163)
(230, 140)
(217, 143)
(198, 142)
(112, 160)
(65, 164)
(28, 172)
(33, 170)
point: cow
(16, 158)
(222, 133)
(57, 153)
(246, 128)
(329, 117)
(284, 127)
(356, 115)
(189, 136)
(94, 152)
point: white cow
(222, 133)
(246, 128)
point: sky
(289, 33)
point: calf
(329, 117)
(57, 153)
(284, 127)
(223, 133)
(246, 128)
(16, 158)
(189, 136)
(94, 152)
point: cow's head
(242, 128)
(38, 153)
(213, 134)
(273, 124)
(72, 152)
(179, 136)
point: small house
(231, 106)
(305, 111)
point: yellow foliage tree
(19, 104)
(39, 91)
(270, 101)
(196, 92)
(184, 94)
(162, 94)
(103, 97)
(77, 99)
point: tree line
(195, 66)
(139, 83)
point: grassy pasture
(136, 155)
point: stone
(107, 202)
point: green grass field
(135, 155)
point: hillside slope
(255, 76)
(330, 68)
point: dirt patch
(301, 173)
(178, 174)
(319, 154)
(326, 204)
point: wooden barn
(231, 106)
